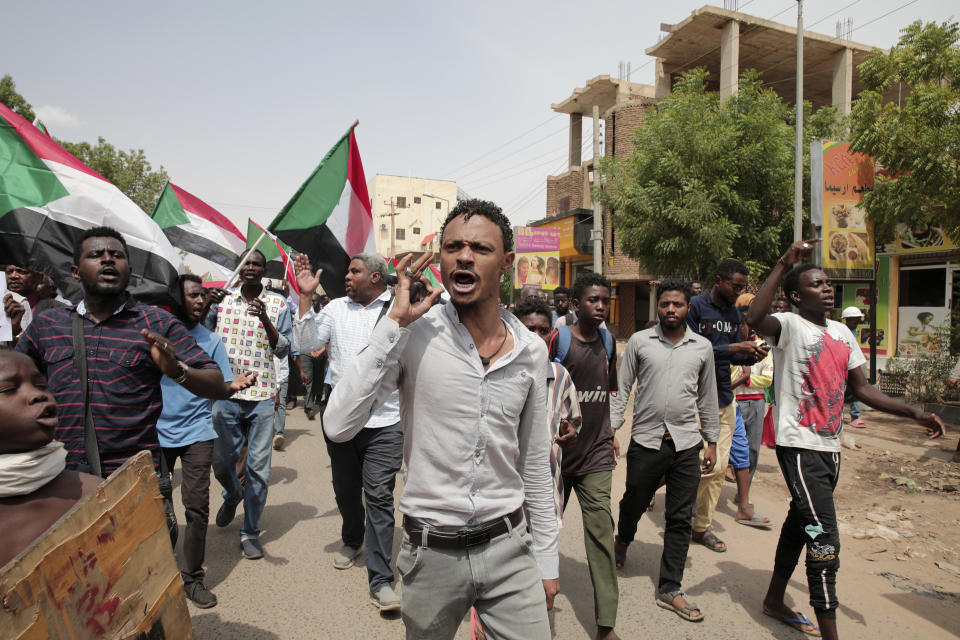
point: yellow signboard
(922, 238)
(847, 234)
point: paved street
(295, 593)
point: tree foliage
(129, 170)
(709, 179)
(917, 143)
(12, 98)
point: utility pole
(393, 233)
(597, 217)
(798, 153)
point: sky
(239, 101)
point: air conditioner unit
(383, 226)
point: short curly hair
(487, 209)
(533, 304)
(586, 280)
(791, 282)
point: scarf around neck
(24, 473)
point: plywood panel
(104, 570)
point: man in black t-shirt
(589, 460)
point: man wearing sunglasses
(714, 315)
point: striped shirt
(561, 404)
(124, 381)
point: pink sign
(537, 240)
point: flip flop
(665, 601)
(756, 521)
(800, 623)
(711, 541)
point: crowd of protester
(496, 416)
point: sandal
(619, 553)
(800, 622)
(710, 541)
(756, 521)
(665, 601)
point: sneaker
(858, 423)
(386, 599)
(199, 595)
(344, 558)
(251, 549)
(226, 513)
(278, 441)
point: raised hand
(404, 312)
(243, 381)
(216, 294)
(307, 280)
(14, 311)
(162, 353)
(799, 251)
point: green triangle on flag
(168, 212)
(268, 246)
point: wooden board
(104, 570)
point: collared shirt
(346, 326)
(246, 340)
(675, 383)
(475, 442)
(187, 418)
(562, 404)
(721, 326)
(124, 381)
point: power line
(513, 153)
(552, 160)
(508, 142)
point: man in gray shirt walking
(472, 382)
(676, 380)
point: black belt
(460, 538)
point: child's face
(28, 413)
(593, 305)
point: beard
(104, 290)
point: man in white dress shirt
(472, 382)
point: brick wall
(627, 303)
(566, 190)
(621, 121)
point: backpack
(562, 335)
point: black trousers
(811, 522)
(195, 460)
(681, 469)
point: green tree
(129, 170)
(16, 102)
(707, 179)
(917, 143)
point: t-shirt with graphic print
(811, 364)
(594, 378)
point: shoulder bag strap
(89, 431)
(383, 310)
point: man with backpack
(589, 353)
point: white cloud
(56, 117)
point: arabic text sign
(538, 257)
(842, 177)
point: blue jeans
(236, 421)
(854, 409)
(364, 471)
(280, 414)
(740, 447)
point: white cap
(851, 312)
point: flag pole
(244, 261)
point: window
(923, 287)
(416, 231)
(416, 199)
(401, 234)
(438, 204)
(402, 202)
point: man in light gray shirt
(676, 380)
(364, 468)
(472, 382)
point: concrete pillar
(664, 85)
(843, 80)
(729, 59)
(576, 139)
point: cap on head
(851, 312)
(744, 300)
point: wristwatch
(181, 376)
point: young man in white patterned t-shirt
(815, 358)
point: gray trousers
(500, 579)
(753, 412)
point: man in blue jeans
(365, 467)
(254, 325)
